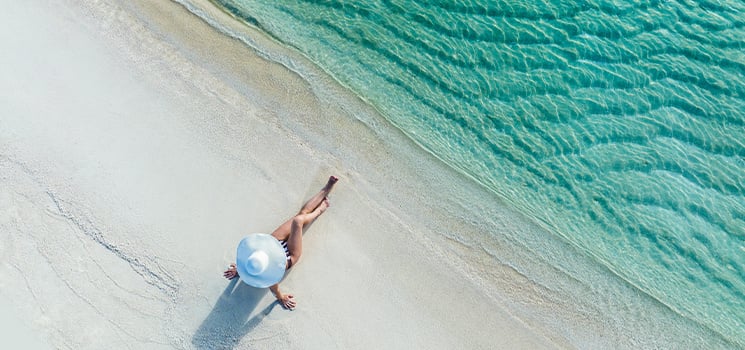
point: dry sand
(138, 146)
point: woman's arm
(286, 300)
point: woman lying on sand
(263, 259)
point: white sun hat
(260, 260)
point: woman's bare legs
(316, 200)
(295, 239)
(282, 232)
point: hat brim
(274, 271)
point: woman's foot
(330, 184)
(231, 272)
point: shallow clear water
(617, 125)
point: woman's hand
(287, 301)
(231, 272)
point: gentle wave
(618, 125)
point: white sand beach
(138, 145)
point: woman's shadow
(229, 319)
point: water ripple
(618, 124)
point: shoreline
(545, 275)
(192, 144)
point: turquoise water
(617, 125)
